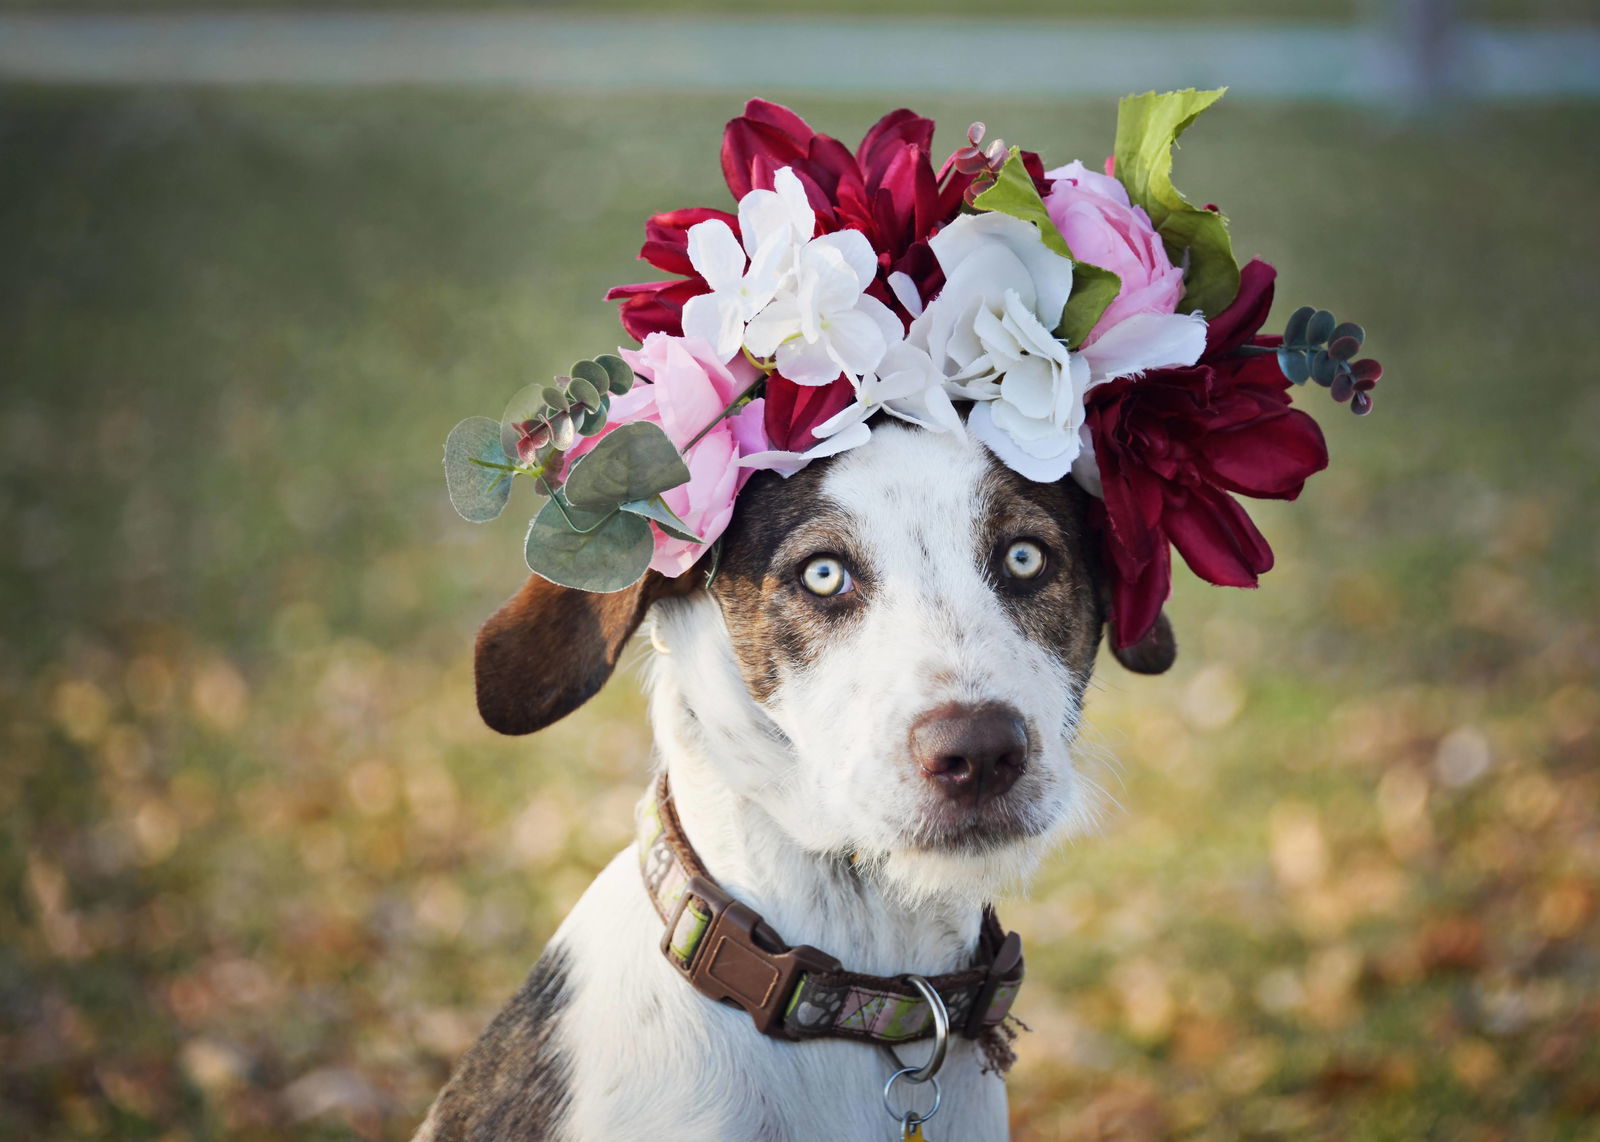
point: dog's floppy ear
(1152, 654)
(549, 649)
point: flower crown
(1098, 324)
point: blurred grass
(264, 874)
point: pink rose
(1103, 228)
(688, 389)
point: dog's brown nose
(973, 753)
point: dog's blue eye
(826, 576)
(1024, 559)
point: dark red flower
(888, 189)
(1175, 445)
(792, 410)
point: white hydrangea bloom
(785, 295)
(774, 224)
(822, 322)
(991, 333)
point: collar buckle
(1005, 970)
(739, 959)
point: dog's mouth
(978, 825)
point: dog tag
(911, 1130)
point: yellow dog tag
(911, 1130)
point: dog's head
(895, 644)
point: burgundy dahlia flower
(1175, 445)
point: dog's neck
(721, 751)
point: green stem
(537, 471)
(555, 498)
(723, 415)
(766, 367)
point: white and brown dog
(867, 719)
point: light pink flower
(1104, 229)
(688, 387)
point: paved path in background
(546, 52)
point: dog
(866, 714)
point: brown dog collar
(729, 953)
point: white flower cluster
(988, 337)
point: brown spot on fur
(774, 625)
(512, 1084)
(1061, 611)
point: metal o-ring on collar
(941, 1031)
(927, 1072)
(910, 1117)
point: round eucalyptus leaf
(1367, 369)
(523, 413)
(563, 432)
(555, 398)
(1343, 388)
(1294, 334)
(478, 493)
(1294, 365)
(613, 556)
(593, 372)
(632, 462)
(618, 371)
(582, 393)
(1348, 329)
(1343, 348)
(1320, 326)
(1323, 368)
(592, 422)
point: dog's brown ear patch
(1152, 654)
(549, 649)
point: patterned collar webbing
(728, 952)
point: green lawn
(264, 874)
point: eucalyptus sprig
(1317, 348)
(593, 532)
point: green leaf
(632, 462)
(1294, 365)
(1348, 329)
(591, 371)
(613, 556)
(477, 493)
(665, 518)
(555, 399)
(618, 371)
(1294, 334)
(1093, 288)
(1013, 193)
(563, 432)
(1148, 127)
(592, 422)
(583, 394)
(1323, 367)
(1320, 328)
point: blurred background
(264, 875)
